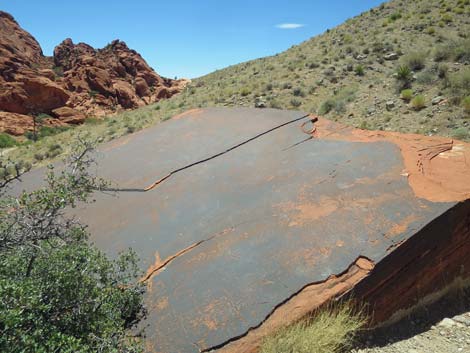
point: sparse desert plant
(459, 83)
(442, 70)
(447, 18)
(328, 330)
(295, 103)
(426, 77)
(466, 104)
(326, 107)
(298, 92)
(359, 70)
(395, 16)
(415, 60)
(245, 91)
(418, 102)
(461, 133)
(404, 76)
(406, 94)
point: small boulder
(260, 103)
(389, 105)
(69, 115)
(437, 100)
(391, 56)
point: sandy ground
(443, 327)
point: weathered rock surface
(243, 228)
(93, 82)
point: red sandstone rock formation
(78, 81)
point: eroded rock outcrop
(78, 81)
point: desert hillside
(402, 66)
(77, 82)
(356, 73)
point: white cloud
(289, 25)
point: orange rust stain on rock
(162, 303)
(152, 269)
(192, 112)
(305, 212)
(401, 227)
(208, 314)
(301, 306)
(325, 251)
(437, 168)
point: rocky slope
(350, 72)
(77, 82)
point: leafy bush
(418, 102)
(6, 140)
(406, 94)
(60, 293)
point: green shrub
(459, 83)
(406, 94)
(462, 51)
(245, 91)
(442, 71)
(404, 76)
(430, 30)
(298, 92)
(394, 16)
(461, 133)
(60, 293)
(447, 18)
(326, 107)
(418, 102)
(359, 70)
(453, 50)
(426, 77)
(6, 140)
(295, 103)
(466, 104)
(415, 60)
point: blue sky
(181, 37)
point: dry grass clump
(329, 330)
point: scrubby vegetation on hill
(402, 66)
